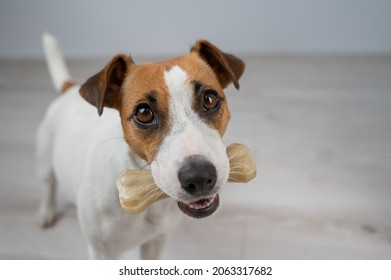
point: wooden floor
(319, 126)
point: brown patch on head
(203, 80)
(144, 88)
(140, 90)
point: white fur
(83, 154)
(189, 136)
(55, 61)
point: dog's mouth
(201, 208)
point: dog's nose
(197, 175)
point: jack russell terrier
(168, 116)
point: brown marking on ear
(103, 89)
(227, 67)
(66, 85)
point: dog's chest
(159, 219)
(163, 216)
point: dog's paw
(46, 216)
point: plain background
(313, 106)
(99, 28)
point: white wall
(102, 28)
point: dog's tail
(56, 64)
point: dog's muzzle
(198, 177)
(138, 190)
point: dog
(168, 116)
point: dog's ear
(103, 89)
(227, 67)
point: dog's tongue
(201, 208)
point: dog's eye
(144, 114)
(210, 100)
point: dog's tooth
(204, 204)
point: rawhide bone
(137, 189)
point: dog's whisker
(232, 154)
(160, 195)
(233, 150)
(157, 195)
(238, 164)
(151, 187)
(112, 139)
(238, 167)
(151, 193)
(142, 168)
(235, 173)
(148, 196)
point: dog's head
(173, 115)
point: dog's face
(173, 115)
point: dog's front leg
(97, 252)
(152, 249)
